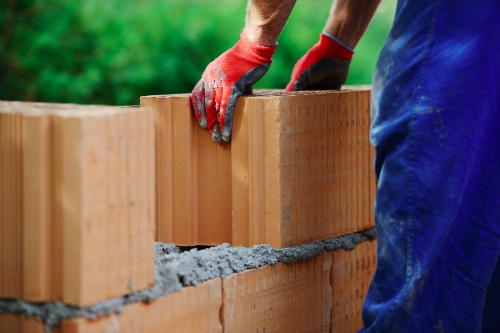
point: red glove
(324, 66)
(225, 79)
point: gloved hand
(225, 79)
(324, 66)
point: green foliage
(112, 52)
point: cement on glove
(175, 269)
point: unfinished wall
(83, 189)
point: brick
(16, 324)
(324, 294)
(193, 309)
(109, 252)
(352, 272)
(86, 175)
(298, 169)
(279, 298)
(192, 187)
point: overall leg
(491, 312)
(437, 239)
(435, 104)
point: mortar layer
(175, 269)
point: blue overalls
(436, 131)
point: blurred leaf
(112, 52)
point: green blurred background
(113, 52)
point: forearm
(349, 19)
(266, 18)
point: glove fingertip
(300, 84)
(198, 104)
(226, 136)
(226, 121)
(216, 135)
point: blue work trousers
(436, 131)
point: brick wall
(86, 191)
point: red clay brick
(86, 175)
(319, 295)
(352, 272)
(10, 323)
(193, 309)
(107, 231)
(298, 169)
(193, 183)
(279, 298)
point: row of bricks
(298, 169)
(324, 294)
(76, 201)
(78, 186)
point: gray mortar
(175, 269)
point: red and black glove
(225, 79)
(325, 66)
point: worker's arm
(349, 19)
(265, 20)
(326, 64)
(235, 71)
